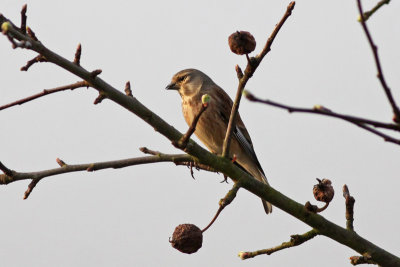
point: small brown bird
(211, 128)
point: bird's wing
(240, 132)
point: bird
(211, 128)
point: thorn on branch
(31, 33)
(295, 240)
(145, 150)
(239, 72)
(349, 200)
(77, 58)
(95, 73)
(128, 90)
(99, 98)
(23, 19)
(31, 186)
(36, 59)
(61, 162)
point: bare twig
(99, 98)
(374, 48)
(31, 186)
(47, 92)
(23, 19)
(368, 14)
(230, 196)
(13, 176)
(360, 122)
(182, 143)
(36, 59)
(95, 73)
(349, 208)
(320, 110)
(295, 240)
(248, 73)
(78, 53)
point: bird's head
(188, 82)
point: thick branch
(248, 73)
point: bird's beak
(172, 86)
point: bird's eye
(181, 79)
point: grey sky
(125, 217)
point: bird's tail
(266, 204)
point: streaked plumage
(211, 128)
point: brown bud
(323, 191)
(242, 42)
(187, 238)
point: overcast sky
(125, 217)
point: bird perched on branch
(211, 128)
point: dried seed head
(323, 191)
(187, 238)
(242, 42)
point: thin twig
(374, 48)
(46, 92)
(230, 196)
(182, 143)
(368, 14)
(320, 110)
(13, 176)
(360, 122)
(31, 186)
(349, 208)
(295, 240)
(248, 73)
(36, 59)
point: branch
(320, 110)
(182, 143)
(368, 14)
(395, 108)
(248, 73)
(46, 92)
(199, 154)
(230, 196)
(13, 176)
(295, 240)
